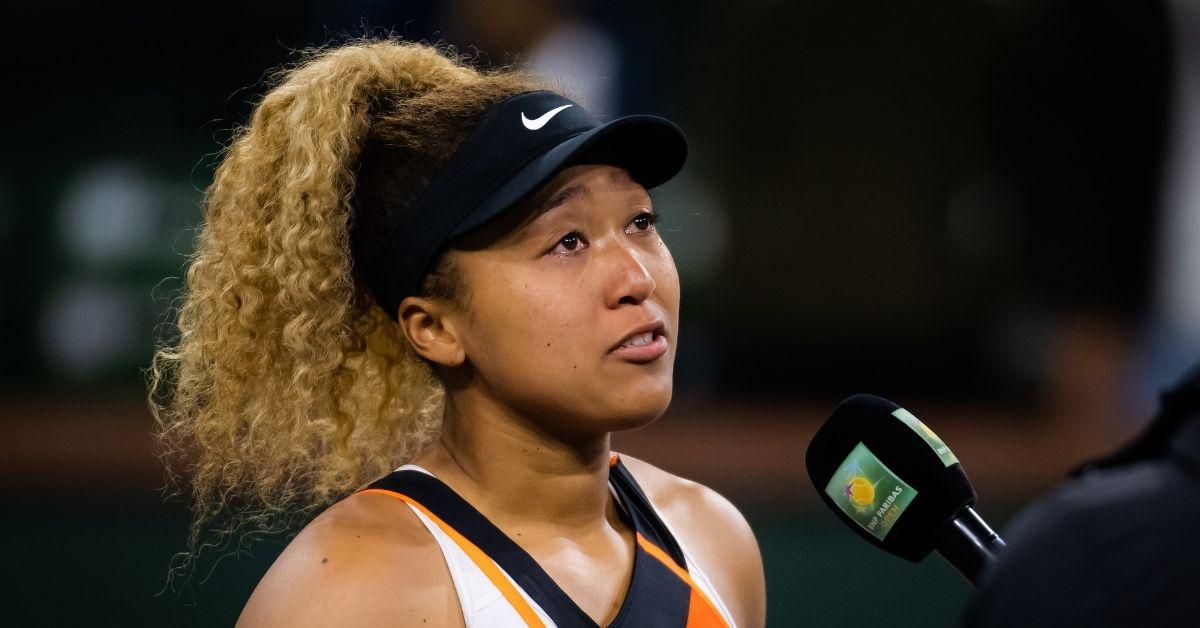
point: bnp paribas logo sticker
(868, 492)
(930, 437)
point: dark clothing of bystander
(1115, 547)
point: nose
(630, 281)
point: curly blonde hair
(288, 387)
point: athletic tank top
(499, 585)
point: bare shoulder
(716, 535)
(366, 561)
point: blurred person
(1088, 144)
(432, 293)
(1174, 332)
(552, 39)
(1112, 547)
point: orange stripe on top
(477, 556)
(702, 613)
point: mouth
(643, 344)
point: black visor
(520, 145)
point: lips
(642, 344)
(655, 328)
(639, 340)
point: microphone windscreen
(887, 476)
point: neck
(515, 472)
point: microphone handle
(969, 544)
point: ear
(431, 331)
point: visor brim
(650, 148)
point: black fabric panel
(657, 597)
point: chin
(633, 422)
(640, 411)
(593, 415)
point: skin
(533, 393)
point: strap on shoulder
(645, 517)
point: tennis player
(430, 294)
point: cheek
(666, 277)
(527, 326)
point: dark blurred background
(983, 210)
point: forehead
(573, 182)
(614, 175)
(584, 178)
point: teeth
(639, 340)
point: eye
(644, 221)
(570, 244)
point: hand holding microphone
(895, 483)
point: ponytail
(287, 387)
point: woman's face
(553, 305)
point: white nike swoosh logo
(540, 121)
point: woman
(409, 262)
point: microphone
(895, 483)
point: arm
(364, 562)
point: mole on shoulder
(324, 560)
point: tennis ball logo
(861, 492)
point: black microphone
(894, 482)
